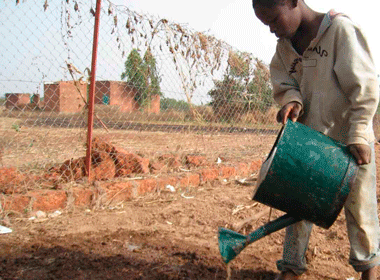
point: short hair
(268, 3)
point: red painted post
(90, 102)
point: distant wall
(16, 100)
(154, 106)
(64, 97)
(35, 100)
(121, 94)
(116, 93)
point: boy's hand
(361, 152)
(291, 110)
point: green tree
(259, 88)
(228, 96)
(245, 87)
(152, 78)
(227, 102)
(142, 74)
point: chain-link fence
(162, 92)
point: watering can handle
(232, 243)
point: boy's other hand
(361, 152)
(291, 110)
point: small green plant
(16, 127)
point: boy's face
(282, 19)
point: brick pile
(114, 173)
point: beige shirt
(335, 80)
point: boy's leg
(370, 274)
(362, 219)
(295, 246)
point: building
(123, 95)
(17, 100)
(65, 96)
(116, 93)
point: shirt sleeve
(357, 76)
(285, 88)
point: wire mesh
(163, 92)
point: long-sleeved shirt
(334, 80)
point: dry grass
(26, 145)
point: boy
(323, 76)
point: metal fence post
(90, 122)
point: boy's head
(282, 16)
(267, 3)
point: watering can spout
(232, 243)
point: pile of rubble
(107, 162)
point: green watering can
(307, 174)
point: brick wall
(70, 99)
(16, 100)
(102, 88)
(154, 106)
(64, 97)
(122, 95)
(119, 93)
(35, 100)
(51, 97)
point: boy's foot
(289, 275)
(370, 274)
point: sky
(235, 22)
(27, 62)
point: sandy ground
(163, 235)
(166, 235)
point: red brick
(170, 160)
(73, 169)
(209, 174)
(190, 180)
(120, 191)
(15, 202)
(163, 182)
(83, 197)
(255, 165)
(146, 185)
(102, 144)
(127, 163)
(196, 160)
(227, 171)
(242, 169)
(48, 200)
(103, 166)
(157, 167)
(12, 181)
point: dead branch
(71, 69)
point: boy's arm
(286, 91)
(357, 77)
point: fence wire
(163, 92)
